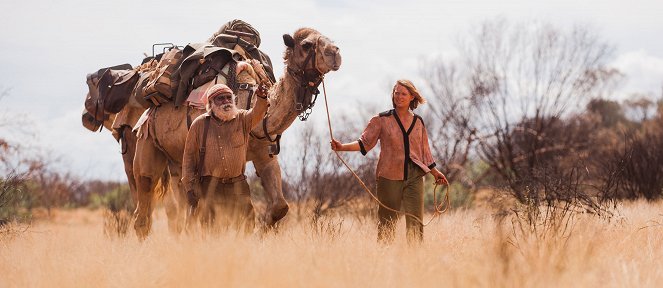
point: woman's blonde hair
(418, 99)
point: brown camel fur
(161, 141)
(120, 125)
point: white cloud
(644, 73)
(49, 47)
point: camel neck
(282, 112)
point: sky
(50, 46)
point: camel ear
(306, 44)
(288, 41)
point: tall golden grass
(463, 248)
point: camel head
(306, 43)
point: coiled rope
(438, 209)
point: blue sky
(49, 47)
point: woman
(405, 158)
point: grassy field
(463, 248)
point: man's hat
(216, 90)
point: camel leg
(149, 166)
(176, 203)
(129, 138)
(269, 172)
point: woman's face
(402, 97)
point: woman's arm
(338, 146)
(368, 140)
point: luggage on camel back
(89, 122)
(174, 74)
(202, 62)
(242, 37)
(109, 90)
(145, 70)
(236, 40)
(163, 82)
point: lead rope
(438, 210)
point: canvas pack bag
(116, 95)
(161, 86)
(241, 36)
(212, 65)
(89, 122)
(109, 90)
(202, 64)
(145, 70)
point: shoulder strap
(203, 146)
(420, 119)
(385, 113)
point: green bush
(459, 196)
(12, 202)
(115, 200)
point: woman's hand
(440, 179)
(335, 145)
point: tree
(510, 97)
(14, 167)
(640, 106)
(609, 112)
(449, 120)
(317, 180)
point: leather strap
(275, 149)
(231, 80)
(226, 180)
(264, 129)
(188, 117)
(96, 110)
(124, 147)
(201, 151)
(248, 100)
(247, 87)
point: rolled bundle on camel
(231, 56)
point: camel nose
(337, 62)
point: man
(215, 158)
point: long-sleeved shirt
(227, 143)
(398, 145)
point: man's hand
(192, 198)
(262, 90)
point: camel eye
(327, 53)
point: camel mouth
(335, 67)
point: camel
(120, 125)
(309, 55)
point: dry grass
(462, 249)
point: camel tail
(163, 185)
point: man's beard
(225, 112)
